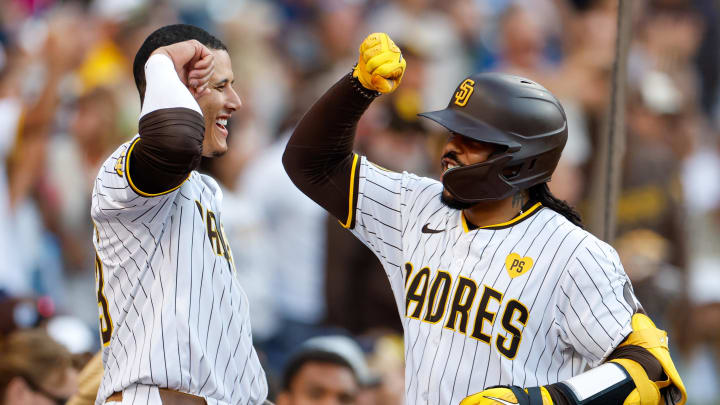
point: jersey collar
(527, 214)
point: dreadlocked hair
(541, 193)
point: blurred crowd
(67, 99)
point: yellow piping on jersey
(132, 185)
(510, 222)
(352, 189)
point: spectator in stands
(326, 370)
(35, 370)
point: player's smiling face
(218, 105)
(462, 151)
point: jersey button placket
(459, 252)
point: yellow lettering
(464, 91)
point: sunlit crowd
(318, 297)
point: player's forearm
(171, 131)
(318, 157)
(608, 384)
(639, 371)
(641, 356)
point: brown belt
(168, 397)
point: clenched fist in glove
(380, 66)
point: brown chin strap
(480, 182)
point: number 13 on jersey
(106, 325)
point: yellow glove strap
(645, 334)
(645, 392)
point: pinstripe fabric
(574, 312)
(179, 316)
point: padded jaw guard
(499, 177)
(479, 182)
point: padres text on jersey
(523, 302)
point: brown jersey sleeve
(168, 149)
(318, 157)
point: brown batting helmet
(521, 117)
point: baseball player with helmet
(504, 298)
(174, 321)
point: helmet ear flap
(529, 172)
(512, 171)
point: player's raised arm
(171, 124)
(319, 157)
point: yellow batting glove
(509, 396)
(380, 65)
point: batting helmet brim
(463, 124)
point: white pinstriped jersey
(172, 312)
(529, 302)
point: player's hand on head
(194, 64)
(380, 64)
(505, 395)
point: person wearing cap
(325, 370)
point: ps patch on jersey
(517, 265)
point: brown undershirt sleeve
(168, 149)
(558, 397)
(318, 157)
(641, 356)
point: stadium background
(67, 98)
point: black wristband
(365, 92)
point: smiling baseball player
(504, 298)
(174, 320)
